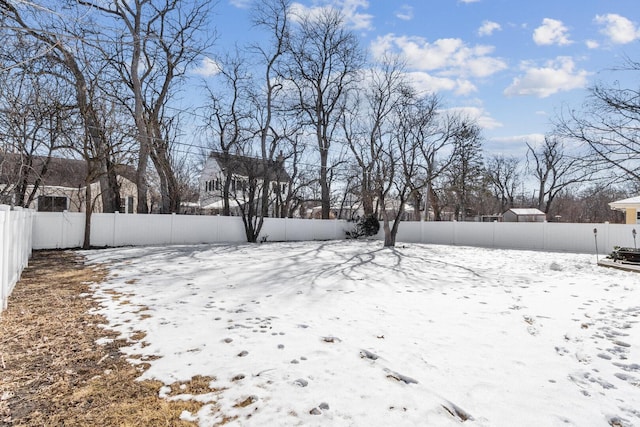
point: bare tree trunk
(141, 178)
(325, 191)
(88, 211)
(389, 238)
(367, 199)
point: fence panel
(15, 248)
(66, 230)
(187, 229)
(617, 235)
(408, 232)
(439, 233)
(513, 235)
(24, 230)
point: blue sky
(512, 64)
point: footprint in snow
(399, 377)
(628, 378)
(301, 382)
(318, 410)
(368, 355)
(457, 412)
(632, 367)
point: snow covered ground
(347, 333)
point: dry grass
(51, 371)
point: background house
(238, 171)
(630, 207)
(59, 183)
(524, 215)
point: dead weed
(52, 372)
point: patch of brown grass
(52, 373)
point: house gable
(62, 178)
(241, 170)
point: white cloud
(556, 76)
(448, 57)
(480, 115)
(488, 27)
(427, 83)
(405, 13)
(350, 9)
(551, 32)
(532, 138)
(513, 145)
(207, 68)
(468, 1)
(592, 44)
(241, 4)
(618, 29)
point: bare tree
(386, 146)
(34, 113)
(397, 172)
(504, 177)
(70, 65)
(324, 65)
(249, 124)
(437, 131)
(160, 41)
(554, 170)
(290, 200)
(272, 17)
(227, 115)
(465, 172)
(369, 120)
(609, 124)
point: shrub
(366, 226)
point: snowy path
(349, 333)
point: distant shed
(524, 215)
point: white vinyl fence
(66, 230)
(15, 248)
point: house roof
(251, 166)
(61, 172)
(526, 211)
(632, 202)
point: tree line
(99, 81)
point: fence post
(63, 230)
(4, 285)
(171, 240)
(115, 229)
(16, 246)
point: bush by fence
(65, 230)
(15, 248)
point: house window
(217, 184)
(52, 203)
(126, 205)
(279, 188)
(211, 185)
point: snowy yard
(348, 333)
